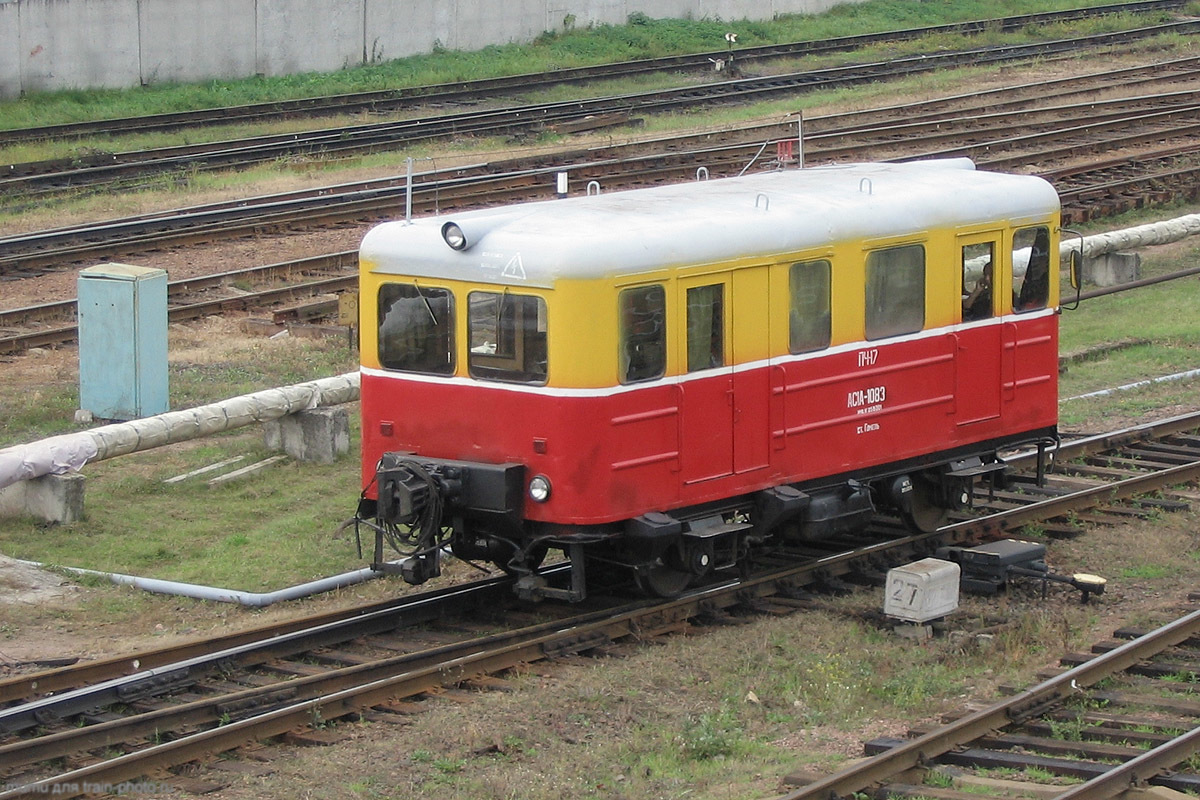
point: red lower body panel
(617, 455)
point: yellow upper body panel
(719, 271)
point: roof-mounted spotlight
(455, 236)
(469, 231)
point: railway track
(477, 90)
(290, 282)
(1137, 730)
(974, 124)
(111, 721)
(33, 181)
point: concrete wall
(308, 35)
(67, 44)
(10, 45)
(47, 45)
(188, 41)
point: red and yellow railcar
(663, 378)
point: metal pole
(800, 139)
(408, 193)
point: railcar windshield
(416, 328)
(643, 319)
(1031, 268)
(507, 337)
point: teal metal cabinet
(122, 341)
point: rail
(924, 750)
(34, 179)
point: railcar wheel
(925, 514)
(661, 580)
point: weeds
(1068, 730)
(1145, 572)
(710, 735)
(450, 766)
(938, 779)
(1030, 774)
(1034, 532)
(1183, 676)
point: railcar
(665, 379)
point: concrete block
(914, 631)
(1113, 269)
(319, 435)
(922, 591)
(50, 498)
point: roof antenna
(756, 155)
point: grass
(1172, 341)
(1070, 730)
(36, 411)
(197, 186)
(42, 407)
(1145, 572)
(133, 522)
(266, 532)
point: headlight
(539, 489)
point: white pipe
(69, 452)
(1178, 376)
(1171, 230)
(219, 595)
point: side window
(1031, 268)
(642, 316)
(808, 317)
(507, 337)
(416, 329)
(895, 291)
(705, 327)
(977, 281)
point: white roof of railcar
(629, 232)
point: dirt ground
(26, 584)
(587, 726)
